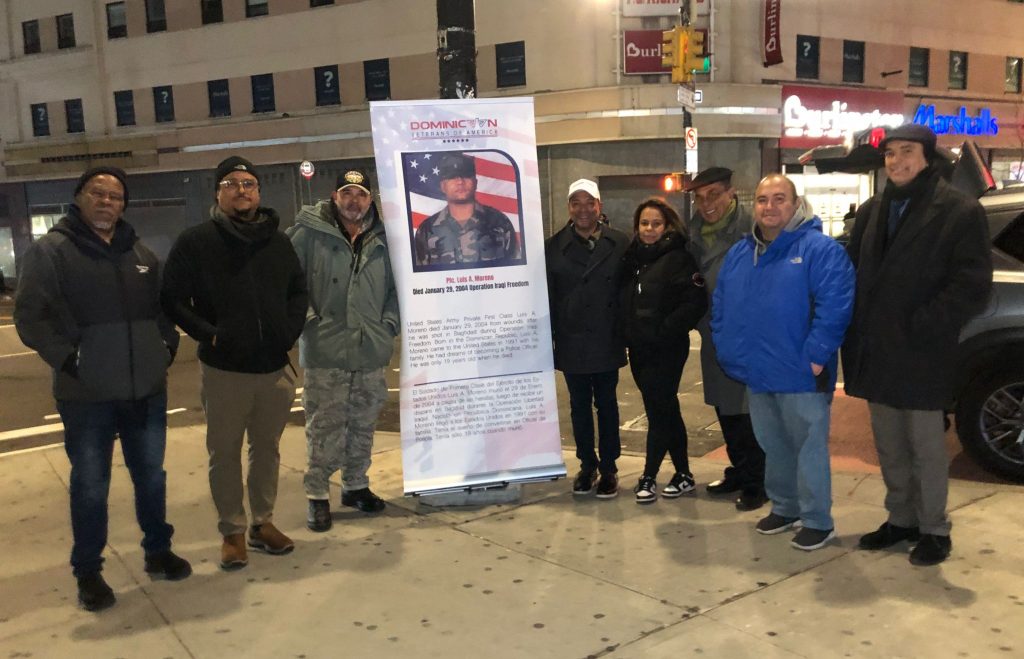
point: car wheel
(990, 422)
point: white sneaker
(679, 485)
(646, 490)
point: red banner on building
(641, 52)
(771, 32)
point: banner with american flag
(460, 198)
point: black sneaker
(751, 499)
(318, 515)
(931, 549)
(94, 594)
(364, 500)
(810, 539)
(724, 486)
(773, 524)
(584, 482)
(888, 535)
(167, 565)
(608, 486)
(646, 490)
(679, 485)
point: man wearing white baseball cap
(583, 263)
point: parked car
(988, 405)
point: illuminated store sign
(957, 124)
(813, 116)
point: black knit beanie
(233, 164)
(116, 172)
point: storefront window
(831, 195)
(1013, 66)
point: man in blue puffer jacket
(783, 301)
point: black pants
(744, 452)
(657, 372)
(597, 389)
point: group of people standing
(784, 298)
(770, 294)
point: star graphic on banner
(414, 164)
(423, 179)
(435, 171)
(426, 156)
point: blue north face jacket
(777, 310)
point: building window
(256, 8)
(326, 81)
(377, 79)
(213, 11)
(220, 98)
(853, 61)
(74, 114)
(918, 67)
(117, 24)
(156, 17)
(510, 60)
(40, 120)
(1013, 66)
(263, 93)
(163, 103)
(807, 49)
(66, 31)
(957, 69)
(320, 3)
(124, 107)
(30, 32)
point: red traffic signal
(673, 182)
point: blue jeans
(793, 431)
(89, 432)
(597, 389)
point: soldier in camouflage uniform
(464, 231)
(348, 340)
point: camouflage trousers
(341, 412)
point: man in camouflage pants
(348, 340)
(465, 231)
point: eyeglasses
(100, 196)
(234, 184)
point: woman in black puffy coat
(663, 297)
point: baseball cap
(354, 178)
(587, 186)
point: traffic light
(693, 59)
(673, 182)
(672, 48)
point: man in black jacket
(236, 286)
(89, 303)
(584, 260)
(921, 250)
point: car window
(1011, 238)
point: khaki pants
(912, 453)
(236, 404)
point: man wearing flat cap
(351, 325)
(464, 231)
(89, 304)
(719, 222)
(921, 250)
(235, 285)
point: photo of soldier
(465, 233)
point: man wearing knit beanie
(921, 250)
(235, 285)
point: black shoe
(773, 524)
(646, 490)
(888, 535)
(608, 486)
(751, 499)
(318, 515)
(681, 483)
(167, 565)
(931, 549)
(94, 594)
(584, 482)
(724, 486)
(365, 500)
(810, 539)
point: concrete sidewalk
(554, 576)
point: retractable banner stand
(461, 204)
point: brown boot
(233, 554)
(266, 537)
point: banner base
(490, 496)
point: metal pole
(456, 48)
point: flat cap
(709, 176)
(911, 133)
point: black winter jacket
(914, 297)
(662, 295)
(583, 295)
(247, 289)
(92, 311)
